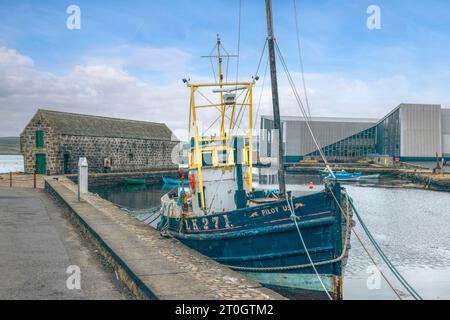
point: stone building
(52, 143)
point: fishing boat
(351, 177)
(344, 176)
(288, 243)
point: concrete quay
(152, 266)
(38, 245)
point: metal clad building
(299, 141)
(445, 116)
(411, 132)
(421, 132)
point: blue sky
(351, 70)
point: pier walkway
(37, 246)
(153, 267)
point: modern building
(299, 144)
(411, 132)
(53, 142)
(446, 132)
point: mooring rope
(151, 215)
(362, 243)
(294, 218)
(304, 266)
(302, 109)
(397, 274)
(377, 247)
(394, 270)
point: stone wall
(50, 149)
(126, 155)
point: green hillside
(9, 146)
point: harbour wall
(109, 179)
(151, 266)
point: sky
(128, 57)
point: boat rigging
(220, 214)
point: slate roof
(95, 126)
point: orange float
(192, 181)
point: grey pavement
(38, 244)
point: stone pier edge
(125, 274)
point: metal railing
(14, 179)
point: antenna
(219, 48)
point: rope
(300, 56)
(261, 94)
(304, 266)
(239, 41)
(151, 216)
(365, 248)
(237, 78)
(302, 109)
(294, 218)
(166, 226)
(159, 215)
(261, 58)
(286, 268)
(214, 72)
(377, 247)
(264, 80)
(394, 270)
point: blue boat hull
(263, 242)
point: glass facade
(388, 135)
(357, 146)
(383, 139)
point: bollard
(82, 177)
(34, 179)
(10, 179)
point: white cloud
(102, 86)
(90, 88)
(147, 59)
(335, 95)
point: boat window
(207, 159)
(223, 156)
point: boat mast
(275, 100)
(222, 106)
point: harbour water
(11, 164)
(411, 225)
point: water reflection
(132, 197)
(412, 227)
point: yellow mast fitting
(213, 145)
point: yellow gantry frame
(203, 145)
